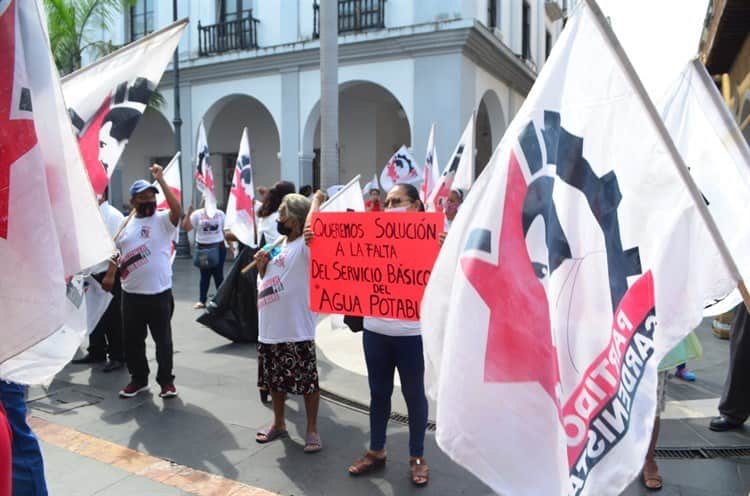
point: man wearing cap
(145, 265)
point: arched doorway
(224, 122)
(489, 129)
(151, 142)
(372, 126)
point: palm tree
(74, 28)
(71, 25)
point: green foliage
(77, 26)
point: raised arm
(317, 201)
(175, 210)
(187, 224)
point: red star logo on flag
(244, 202)
(519, 340)
(392, 173)
(17, 136)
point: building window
(141, 19)
(492, 13)
(526, 33)
(233, 10)
(547, 44)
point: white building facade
(403, 65)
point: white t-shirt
(146, 250)
(267, 226)
(208, 230)
(392, 327)
(284, 314)
(112, 219)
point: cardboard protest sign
(374, 264)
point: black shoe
(89, 358)
(113, 365)
(722, 423)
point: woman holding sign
(286, 325)
(391, 344)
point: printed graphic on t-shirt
(145, 232)
(269, 291)
(134, 259)
(209, 227)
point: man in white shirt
(145, 245)
(106, 340)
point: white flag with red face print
(458, 173)
(241, 205)
(107, 98)
(50, 225)
(401, 168)
(579, 259)
(431, 170)
(204, 174)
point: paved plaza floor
(203, 442)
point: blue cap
(140, 186)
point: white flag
(50, 225)
(713, 147)
(241, 206)
(431, 170)
(540, 317)
(85, 304)
(204, 175)
(401, 168)
(458, 172)
(172, 178)
(107, 98)
(346, 199)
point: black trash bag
(233, 312)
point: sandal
(312, 443)
(419, 471)
(368, 463)
(652, 480)
(269, 434)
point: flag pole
(252, 264)
(123, 225)
(340, 192)
(682, 169)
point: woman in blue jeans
(391, 345)
(209, 233)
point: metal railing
(354, 16)
(238, 34)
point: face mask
(451, 209)
(282, 228)
(396, 209)
(146, 209)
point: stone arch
(152, 141)
(372, 125)
(224, 121)
(489, 129)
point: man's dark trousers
(735, 400)
(154, 312)
(107, 337)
